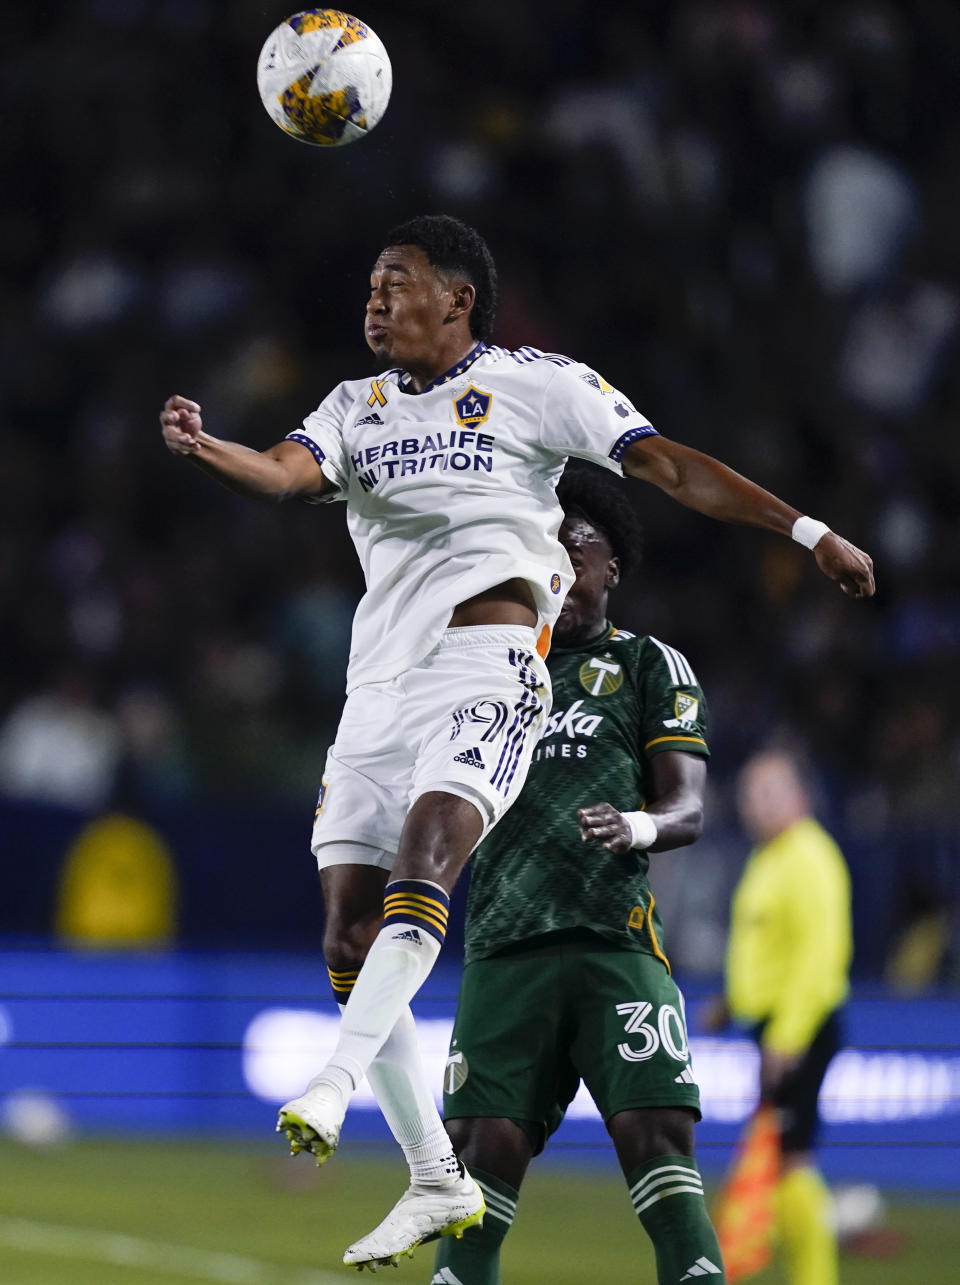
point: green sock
(667, 1195)
(475, 1258)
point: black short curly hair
(453, 246)
(588, 492)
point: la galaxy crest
(472, 407)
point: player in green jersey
(565, 975)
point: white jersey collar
(464, 364)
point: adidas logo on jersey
(702, 1267)
(685, 1077)
(445, 1277)
(411, 934)
(368, 419)
(472, 758)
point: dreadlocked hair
(591, 493)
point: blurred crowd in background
(742, 213)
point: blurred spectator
(860, 211)
(895, 345)
(59, 747)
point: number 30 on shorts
(668, 1031)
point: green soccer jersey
(618, 700)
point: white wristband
(808, 531)
(643, 828)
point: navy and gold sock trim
(418, 902)
(343, 983)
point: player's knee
(495, 1146)
(475, 1141)
(353, 911)
(438, 836)
(347, 939)
(461, 1134)
(673, 1133)
(643, 1134)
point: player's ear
(612, 578)
(463, 299)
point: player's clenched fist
(602, 821)
(845, 563)
(181, 424)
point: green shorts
(534, 1021)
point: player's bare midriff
(509, 603)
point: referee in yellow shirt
(788, 960)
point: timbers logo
(601, 675)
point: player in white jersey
(447, 462)
(452, 491)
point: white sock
(398, 1081)
(397, 965)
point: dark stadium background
(742, 213)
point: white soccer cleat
(421, 1214)
(312, 1122)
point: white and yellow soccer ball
(324, 77)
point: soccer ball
(324, 77)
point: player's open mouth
(376, 332)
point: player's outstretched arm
(675, 809)
(280, 473)
(703, 483)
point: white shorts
(465, 720)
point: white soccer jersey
(451, 491)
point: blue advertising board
(184, 1042)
